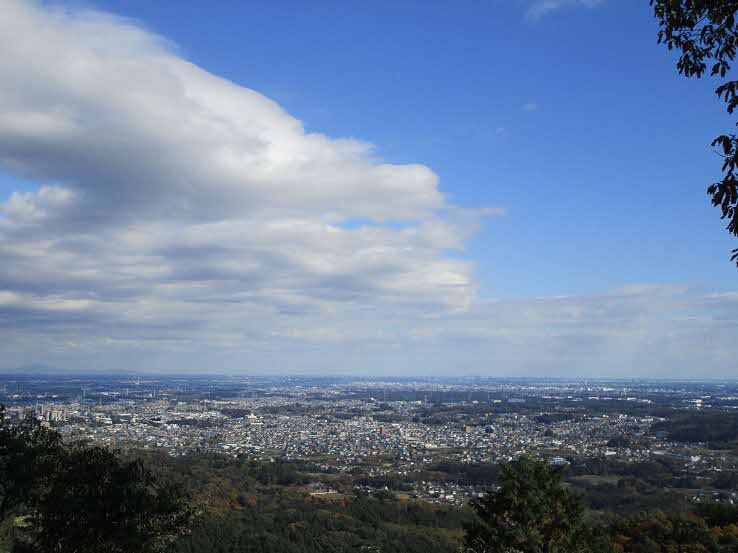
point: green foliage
(706, 34)
(719, 429)
(484, 474)
(96, 502)
(28, 456)
(250, 507)
(531, 512)
(678, 533)
(716, 514)
(74, 498)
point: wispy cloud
(641, 331)
(530, 106)
(540, 8)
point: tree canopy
(77, 497)
(531, 512)
(706, 35)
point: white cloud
(95, 104)
(174, 200)
(183, 222)
(662, 331)
(540, 8)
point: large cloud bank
(169, 192)
(181, 221)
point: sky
(500, 188)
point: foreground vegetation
(76, 497)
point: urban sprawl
(381, 428)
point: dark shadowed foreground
(78, 497)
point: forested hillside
(269, 508)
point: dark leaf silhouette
(705, 31)
(77, 497)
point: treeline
(702, 531)
(285, 522)
(718, 429)
(531, 511)
(266, 508)
(661, 483)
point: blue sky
(603, 182)
(565, 115)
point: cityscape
(388, 430)
(281, 276)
